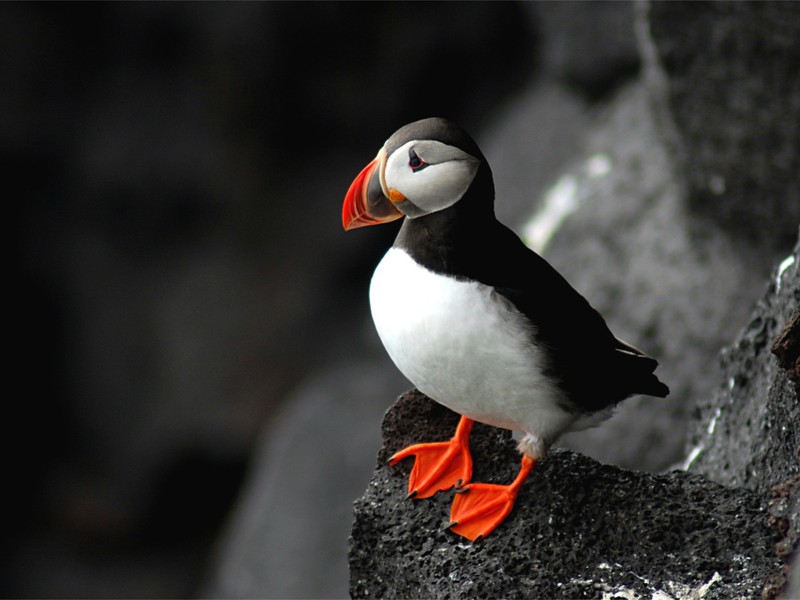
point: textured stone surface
(580, 529)
(787, 345)
(784, 516)
(748, 433)
(734, 96)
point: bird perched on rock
(479, 322)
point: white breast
(466, 347)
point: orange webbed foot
(439, 466)
(480, 507)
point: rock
(784, 516)
(624, 223)
(787, 346)
(734, 97)
(537, 136)
(665, 281)
(286, 538)
(590, 47)
(748, 433)
(579, 530)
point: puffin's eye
(415, 162)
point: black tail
(639, 368)
(651, 386)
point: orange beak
(365, 203)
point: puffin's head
(423, 168)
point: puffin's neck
(444, 240)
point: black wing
(594, 367)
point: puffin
(478, 321)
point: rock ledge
(580, 529)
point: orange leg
(439, 465)
(480, 507)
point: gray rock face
(677, 287)
(591, 47)
(579, 530)
(748, 433)
(288, 534)
(734, 96)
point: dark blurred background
(199, 386)
(176, 173)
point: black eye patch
(415, 162)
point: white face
(429, 174)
